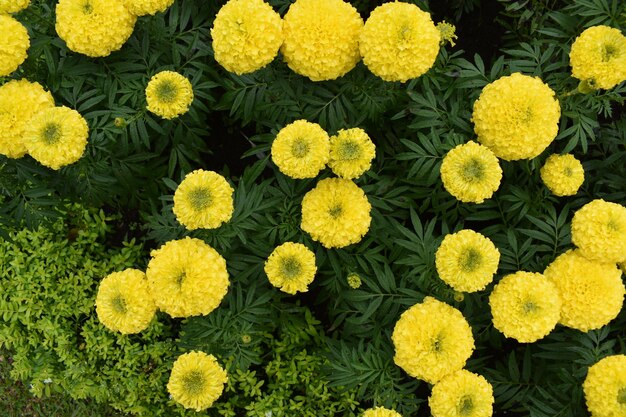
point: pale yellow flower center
(613, 226)
(166, 91)
(465, 405)
(290, 267)
(621, 396)
(300, 148)
(119, 304)
(87, 7)
(200, 198)
(609, 52)
(349, 150)
(530, 307)
(193, 383)
(180, 278)
(568, 172)
(473, 170)
(470, 260)
(437, 344)
(51, 133)
(335, 211)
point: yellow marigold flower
(20, 100)
(336, 213)
(592, 293)
(605, 387)
(525, 306)
(321, 38)
(169, 94)
(246, 35)
(56, 136)
(467, 260)
(13, 44)
(462, 394)
(291, 267)
(598, 57)
(147, 7)
(203, 200)
(562, 174)
(399, 42)
(447, 32)
(301, 149)
(123, 303)
(471, 172)
(197, 380)
(351, 153)
(94, 27)
(599, 230)
(187, 277)
(13, 6)
(380, 412)
(432, 340)
(516, 116)
(354, 280)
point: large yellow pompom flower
(336, 213)
(147, 7)
(525, 306)
(432, 340)
(124, 303)
(599, 230)
(187, 277)
(20, 100)
(592, 293)
(605, 387)
(380, 412)
(471, 172)
(467, 261)
(14, 43)
(351, 153)
(399, 42)
(462, 394)
(516, 116)
(246, 35)
(598, 57)
(169, 94)
(56, 136)
(197, 380)
(321, 38)
(94, 27)
(301, 149)
(291, 267)
(203, 200)
(13, 6)
(562, 174)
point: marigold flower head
(336, 213)
(598, 57)
(169, 94)
(203, 200)
(291, 267)
(124, 302)
(246, 35)
(13, 44)
(605, 387)
(432, 340)
(471, 172)
(354, 280)
(56, 136)
(197, 380)
(380, 412)
(591, 292)
(94, 27)
(20, 100)
(321, 38)
(13, 6)
(399, 41)
(187, 277)
(462, 394)
(516, 116)
(467, 261)
(351, 153)
(525, 306)
(562, 174)
(301, 149)
(147, 7)
(599, 230)
(447, 32)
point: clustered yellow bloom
(525, 306)
(14, 43)
(203, 200)
(605, 387)
(591, 292)
(599, 230)
(467, 261)
(351, 153)
(447, 32)
(13, 6)
(399, 41)
(147, 7)
(321, 38)
(197, 380)
(187, 277)
(301, 149)
(471, 172)
(246, 35)
(432, 340)
(562, 174)
(124, 303)
(462, 394)
(380, 412)
(336, 213)
(169, 94)
(94, 27)
(354, 280)
(598, 57)
(291, 267)
(516, 117)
